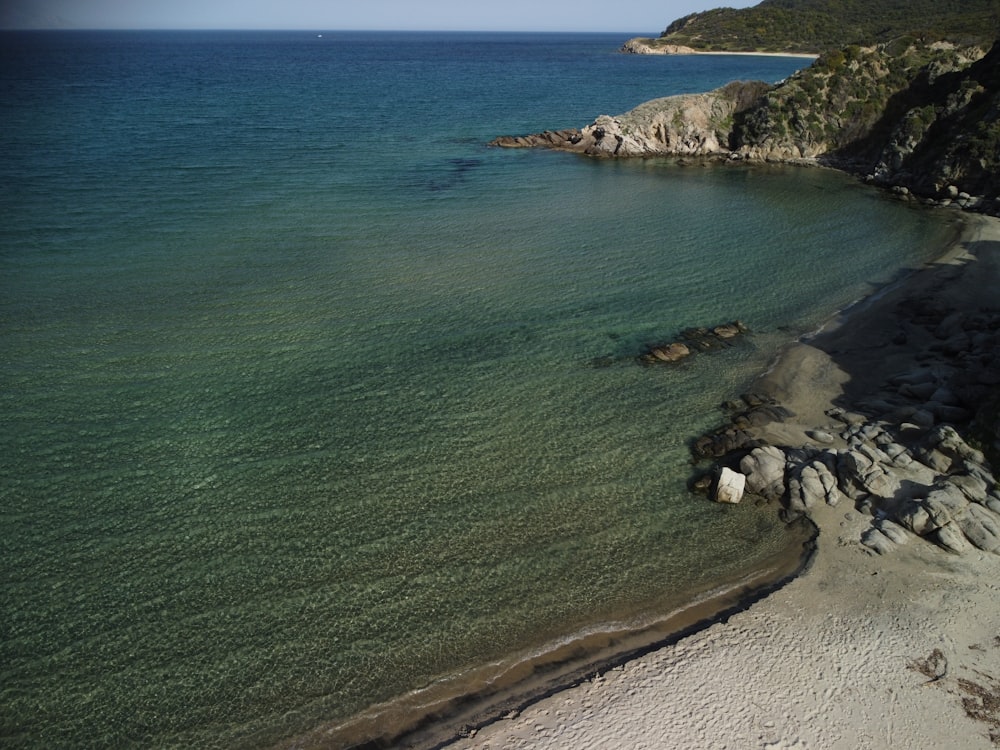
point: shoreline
(861, 649)
(453, 708)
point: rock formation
(643, 46)
(686, 125)
(694, 340)
(899, 457)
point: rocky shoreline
(894, 440)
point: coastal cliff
(922, 119)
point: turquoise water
(297, 384)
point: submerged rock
(667, 353)
(693, 340)
(723, 442)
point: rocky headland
(919, 119)
(804, 26)
(685, 125)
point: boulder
(944, 504)
(897, 454)
(847, 417)
(918, 375)
(875, 540)
(876, 455)
(953, 414)
(820, 436)
(811, 485)
(730, 486)
(730, 330)
(894, 531)
(918, 391)
(946, 439)
(972, 486)
(667, 353)
(914, 516)
(952, 539)
(764, 468)
(723, 442)
(859, 473)
(981, 527)
(944, 395)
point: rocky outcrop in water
(692, 340)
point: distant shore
(643, 46)
(862, 650)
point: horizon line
(322, 30)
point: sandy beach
(899, 650)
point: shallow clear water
(297, 383)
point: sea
(315, 405)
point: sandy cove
(862, 651)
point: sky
(647, 17)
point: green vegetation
(820, 25)
(923, 116)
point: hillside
(820, 25)
(905, 113)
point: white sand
(830, 661)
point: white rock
(730, 486)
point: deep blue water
(295, 372)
